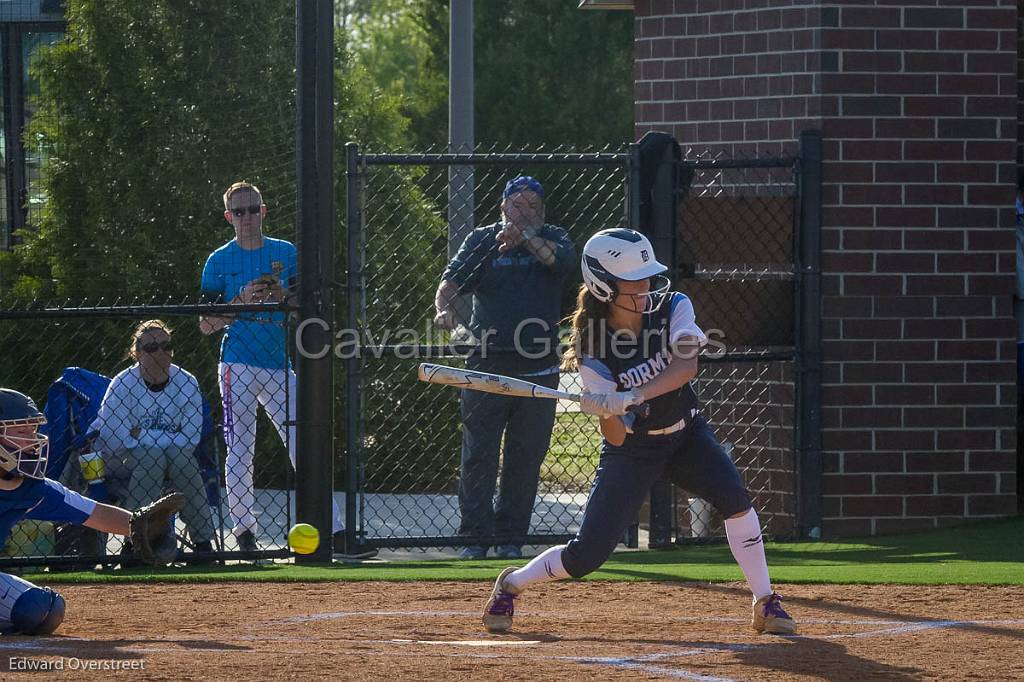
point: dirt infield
(566, 631)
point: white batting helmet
(620, 254)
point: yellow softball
(303, 538)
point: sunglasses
(153, 347)
(251, 210)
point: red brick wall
(917, 105)
(727, 74)
(918, 250)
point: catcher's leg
(26, 609)
(239, 396)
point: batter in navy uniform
(634, 341)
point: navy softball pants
(692, 459)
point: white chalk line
(910, 627)
(334, 615)
(469, 642)
(643, 663)
(337, 615)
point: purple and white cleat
(769, 617)
(501, 606)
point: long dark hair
(581, 337)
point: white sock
(543, 568)
(744, 535)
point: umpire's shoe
(770, 618)
(501, 606)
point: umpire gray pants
(526, 424)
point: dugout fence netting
(737, 219)
(409, 432)
(127, 124)
(126, 447)
(734, 258)
(407, 458)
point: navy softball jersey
(684, 448)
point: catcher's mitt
(152, 535)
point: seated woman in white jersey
(634, 341)
(150, 423)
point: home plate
(470, 642)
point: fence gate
(734, 247)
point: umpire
(514, 270)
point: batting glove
(609, 404)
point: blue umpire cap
(522, 183)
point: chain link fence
(736, 224)
(735, 260)
(133, 401)
(409, 432)
(107, 221)
(403, 470)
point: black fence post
(353, 361)
(633, 199)
(658, 157)
(323, 411)
(808, 337)
(314, 452)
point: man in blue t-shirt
(254, 368)
(514, 269)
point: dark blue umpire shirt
(507, 289)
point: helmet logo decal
(645, 255)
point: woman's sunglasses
(153, 347)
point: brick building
(920, 112)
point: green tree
(148, 111)
(545, 73)
(392, 41)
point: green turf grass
(990, 553)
